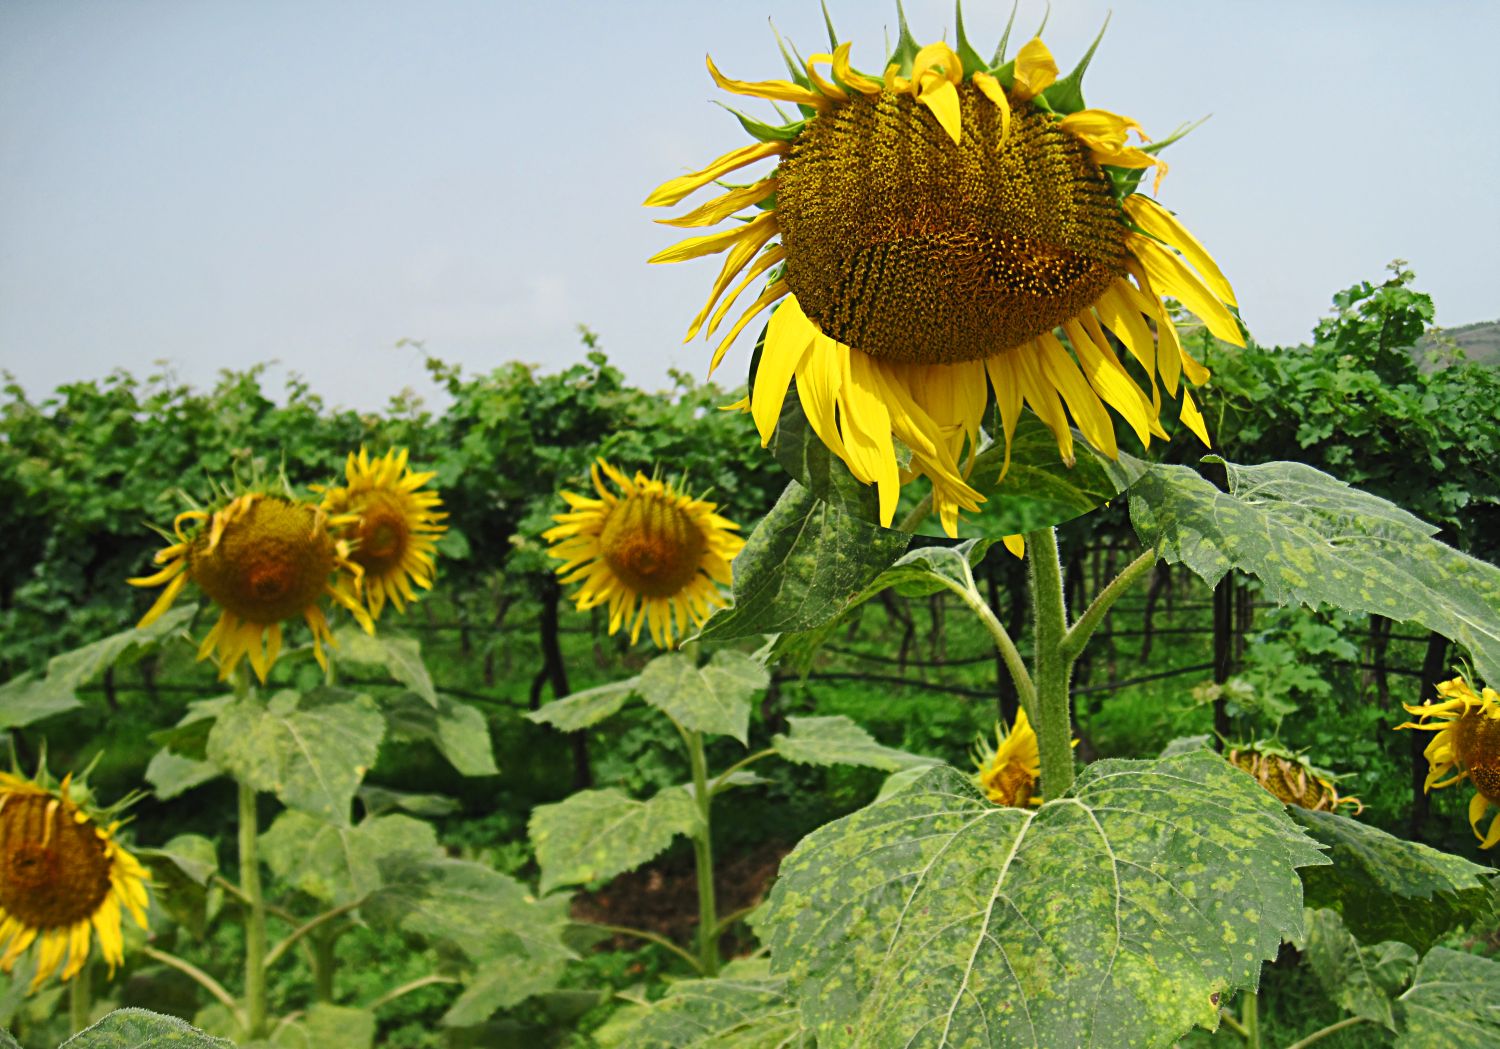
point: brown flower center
(652, 545)
(53, 869)
(911, 248)
(1009, 785)
(1476, 743)
(382, 537)
(272, 563)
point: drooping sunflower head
(1466, 746)
(63, 879)
(946, 229)
(649, 551)
(1291, 778)
(392, 525)
(1011, 770)
(263, 559)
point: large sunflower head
(63, 878)
(392, 525)
(1466, 746)
(1010, 771)
(262, 559)
(1291, 778)
(653, 553)
(944, 228)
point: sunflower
(1468, 739)
(63, 878)
(1008, 774)
(1291, 778)
(648, 544)
(262, 559)
(935, 233)
(395, 529)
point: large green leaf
(1388, 888)
(745, 1007)
(714, 698)
(837, 740)
(140, 1029)
(589, 707)
(309, 749)
(459, 731)
(1118, 914)
(181, 873)
(401, 657)
(1453, 1003)
(340, 865)
(596, 834)
(1311, 538)
(1362, 980)
(324, 1025)
(26, 699)
(803, 564)
(499, 984)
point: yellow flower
(648, 544)
(395, 531)
(1008, 774)
(1468, 739)
(935, 234)
(262, 559)
(63, 878)
(1290, 778)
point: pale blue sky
(223, 183)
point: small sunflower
(1009, 773)
(647, 545)
(262, 559)
(395, 530)
(1468, 739)
(930, 233)
(63, 879)
(1291, 778)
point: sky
(217, 184)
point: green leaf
(339, 865)
(401, 657)
(743, 1008)
(309, 749)
(172, 774)
(140, 1029)
(380, 800)
(713, 699)
(595, 834)
(586, 708)
(193, 855)
(1453, 1003)
(805, 562)
(181, 874)
(1388, 888)
(486, 915)
(6, 1041)
(1115, 915)
(459, 731)
(1311, 538)
(500, 984)
(26, 699)
(1361, 980)
(837, 740)
(327, 1026)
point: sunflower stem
(1025, 686)
(1250, 1020)
(703, 855)
(1079, 633)
(1053, 667)
(323, 963)
(1324, 1032)
(80, 999)
(255, 924)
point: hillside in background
(1479, 341)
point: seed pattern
(54, 870)
(916, 249)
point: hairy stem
(703, 855)
(1025, 687)
(1250, 1018)
(255, 923)
(1078, 635)
(406, 988)
(207, 982)
(1322, 1033)
(309, 926)
(723, 777)
(80, 999)
(644, 934)
(1053, 717)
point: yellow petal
(941, 97)
(1016, 544)
(848, 77)
(827, 88)
(1007, 386)
(1035, 69)
(1170, 276)
(1099, 128)
(820, 385)
(1163, 225)
(775, 90)
(672, 191)
(713, 243)
(734, 262)
(767, 297)
(1082, 402)
(990, 88)
(1193, 419)
(788, 338)
(867, 435)
(720, 208)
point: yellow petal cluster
(1466, 746)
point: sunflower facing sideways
(650, 552)
(935, 231)
(1468, 741)
(63, 880)
(262, 559)
(391, 524)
